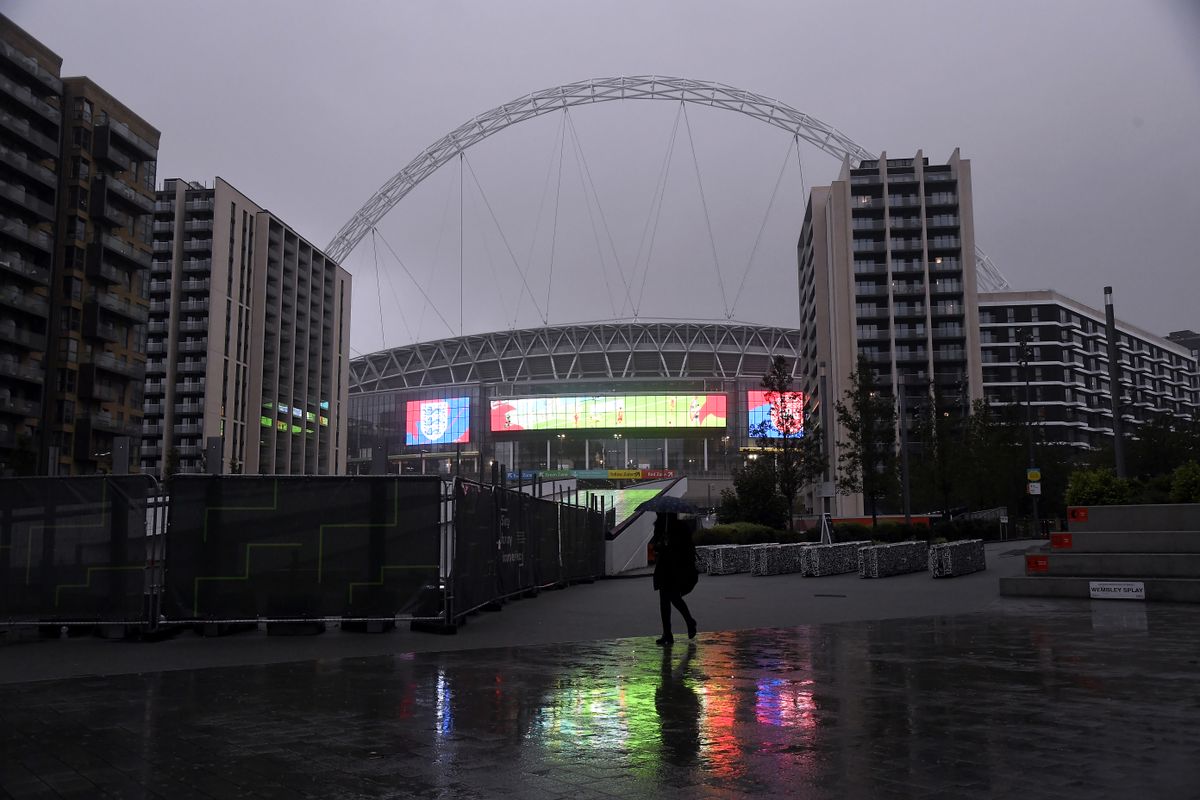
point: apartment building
(887, 272)
(30, 130)
(246, 318)
(1067, 367)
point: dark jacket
(674, 555)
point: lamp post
(1023, 338)
(1114, 382)
(900, 383)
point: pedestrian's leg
(664, 609)
(678, 602)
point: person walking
(674, 571)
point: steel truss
(602, 351)
(600, 90)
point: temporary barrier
(74, 550)
(304, 547)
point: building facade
(887, 272)
(30, 133)
(78, 188)
(246, 318)
(651, 397)
(1067, 367)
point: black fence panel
(73, 548)
(511, 573)
(582, 543)
(288, 547)
(476, 533)
(542, 550)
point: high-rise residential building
(1188, 338)
(96, 351)
(1067, 367)
(887, 272)
(30, 130)
(248, 343)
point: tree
(867, 459)
(1185, 483)
(755, 496)
(1099, 487)
(938, 432)
(798, 455)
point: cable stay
(660, 194)
(379, 295)
(537, 224)
(407, 272)
(766, 216)
(437, 250)
(554, 231)
(707, 218)
(585, 178)
(503, 238)
(486, 247)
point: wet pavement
(1027, 699)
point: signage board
(1117, 590)
(1033, 474)
(1034, 488)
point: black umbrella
(664, 504)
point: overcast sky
(1080, 120)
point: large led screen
(446, 420)
(769, 416)
(611, 411)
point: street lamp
(1023, 339)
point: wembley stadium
(610, 401)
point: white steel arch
(600, 90)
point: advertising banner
(597, 474)
(768, 414)
(610, 411)
(445, 420)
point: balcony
(22, 301)
(147, 151)
(189, 408)
(13, 263)
(19, 406)
(110, 424)
(24, 130)
(199, 205)
(860, 246)
(948, 331)
(902, 288)
(126, 251)
(941, 199)
(11, 367)
(103, 149)
(159, 308)
(124, 192)
(194, 306)
(192, 366)
(193, 346)
(159, 326)
(98, 269)
(195, 285)
(912, 354)
(155, 387)
(190, 387)
(947, 309)
(201, 225)
(159, 286)
(31, 66)
(193, 245)
(160, 266)
(18, 195)
(23, 164)
(153, 409)
(909, 310)
(9, 332)
(91, 387)
(904, 201)
(23, 233)
(946, 287)
(193, 265)
(128, 369)
(188, 429)
(94, 327)
(120, 306)
(193, 326)
(163, 226)
(950, 354)
(944, 243)
(156, 348)
(910, 331)
(164, 206)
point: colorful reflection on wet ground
(1057, 704)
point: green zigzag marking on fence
(41, 527)
(245, 576)
(389, 567)
(273, 507)
(88, 583)
(321, 532)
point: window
(77, 229)
(69, 321)
(72, 288)
(81, 168)
(83, 109)
(66, 411)
(83, 138)
(66, 380)
(68, 351)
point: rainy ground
(905, 687)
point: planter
(830, 559)
(881, 561)
(957, 558)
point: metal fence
(75, 550)
(234, 549)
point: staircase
(1147, 552)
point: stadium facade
(624, 400)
